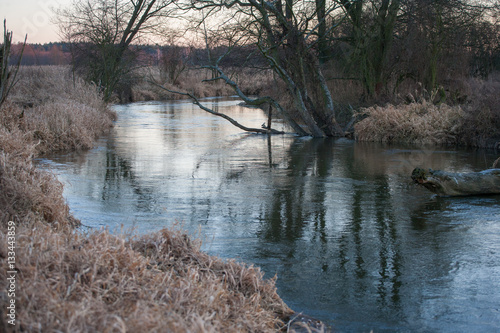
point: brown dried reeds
(48, 112)
(61, 112)
(27, 194)
(472, 118)
(72, 282)
(418, 123)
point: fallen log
(458, 184)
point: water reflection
(352, 240)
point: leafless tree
(101, 32)
(290, 35)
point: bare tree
(101, 32)
(371, 36)
(287, 34)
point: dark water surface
(352, 241)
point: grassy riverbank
(475, 122)
(74, 281)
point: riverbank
(473, 123)
(60, 278)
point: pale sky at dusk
(32, 17)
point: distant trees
(41, 54)
(101, 31)
(171, 63)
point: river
(353, 242)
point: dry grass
(60, 112)
(473, 119)
(419, 123)
(71, 282)
(27, 194)
(48, 112)
(192, 80)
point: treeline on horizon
(60, 53)
(479, 56)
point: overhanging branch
(218, 114)
(257, 101)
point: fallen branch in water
(215, 113)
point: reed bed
(47, 112)
(98, 282)
(60, 111)
(472, 117)
(27, 194)
(418, 123)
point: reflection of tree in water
(309, 163)
(120, 174)
(300, 208)
(419, 215)
(389, 251)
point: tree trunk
(458, 184)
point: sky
(32, 17)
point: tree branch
(218, 114)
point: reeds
(27, 194)
(418, 123)
(47, 112)
(61, 112)
(72, 282)
(472, 118)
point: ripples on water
(352, 241)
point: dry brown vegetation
(60, 112)
(99, 282)
(422, 123)
(193, 80)
(476, 122)
(47, 112)
(69, 280)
